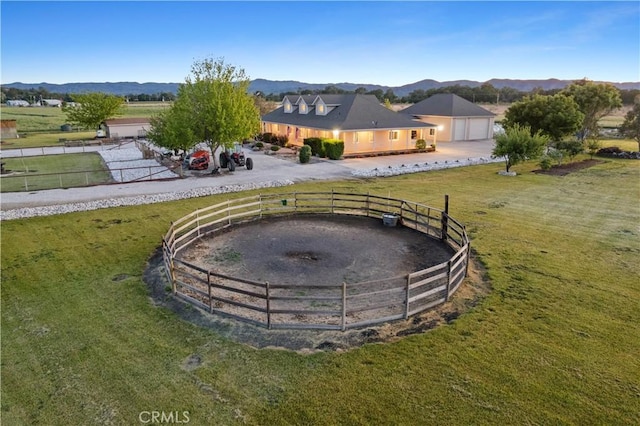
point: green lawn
(555, 342)
(54, 171)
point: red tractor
(232, 158)
(199, 160)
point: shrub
(555, 155)
(275, 148)
(305, 154)
(421, 144)
(259, 145)
(545, 162)
(334, 148)
(570, 147)
(593, 146)
(282, 140)
(316, 146)
(266, 137)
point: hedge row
(322, 147)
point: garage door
(459, 129)
(478, 128)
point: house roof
(351, 112)
(447, 105)
(131, 120)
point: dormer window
(320, 109)
(287, 106)
(303, 108)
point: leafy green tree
(91, 109)
(391, 96)
(220, 111)
(518, 144)
(172, 128)
(554, 116)
(595, 100)
(631, 126)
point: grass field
(555, 342)
(79, 170)
(40, 126)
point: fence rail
(329, 306)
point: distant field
(47, 119)
(40, 126)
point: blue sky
(387, 43)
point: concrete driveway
(266, 168)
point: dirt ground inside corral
(317, 250)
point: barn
(126, 127)
(457, 118)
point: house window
(320, 109)
(394, 135)
(414, 134)
(303, 108)
(287, 107)
(355, 137)
(432, 132)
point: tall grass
(555, 342)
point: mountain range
(275, 86)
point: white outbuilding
(126, 127)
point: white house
(360, 121)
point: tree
(91, 109)
(215, 105)
(554, 116)
(172, 128)
(518, 144)
(631, 126)
(595, 101)
(391, 96)
(264, 105)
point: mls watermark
(163, 417)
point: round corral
(329, 263)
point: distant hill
(275, 86)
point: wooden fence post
(445, 219)
(448, 280)
(209, 288)
(406, 302)
(344, 306)
(268, 307)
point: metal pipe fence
(331, 306)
